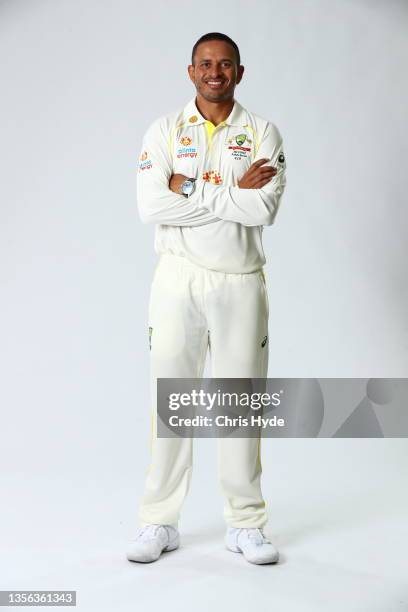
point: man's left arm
(250, 207)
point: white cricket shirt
(220, 225)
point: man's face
(215, 72)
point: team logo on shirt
(212, 176)
(144, 162)
(186, 150)
(238, 151)
(240, 139)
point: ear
(240, 73)
(191, 72)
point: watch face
(187, 187)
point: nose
(215, 72)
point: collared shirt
(219, 226)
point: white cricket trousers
(192, 310)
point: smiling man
(210, 177)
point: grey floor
(338, 514)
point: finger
(261, 183)
(260, 162)
(264, 169)
(254, 170)
(255, 178)
(264, 172)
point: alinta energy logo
(186, 149)
(144, 162)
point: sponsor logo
(239, 153)
(144, 162)
(186, 150)
(212, 176)
(193, 118)
(281, 159)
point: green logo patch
(240, 139)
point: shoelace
(148, 532)
(255, 535)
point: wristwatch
(187, 187)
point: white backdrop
(81, 80)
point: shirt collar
(192, 115)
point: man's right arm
(156, 202)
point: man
(210, 176)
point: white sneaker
(252, 544)
(151, 541)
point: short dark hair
(216, 36)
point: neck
(214, 111)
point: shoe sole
(168, 548)
(236, 549)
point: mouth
(215, 84)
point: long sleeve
(250, 207)
(156, 202)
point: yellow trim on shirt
(210, 129)
(255, 136)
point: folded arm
(248, 206)
(156, 202)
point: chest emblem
(186, 150)
(240, 139)
(235, 144)
(212, 176)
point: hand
(257, 175)
(176, 180)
